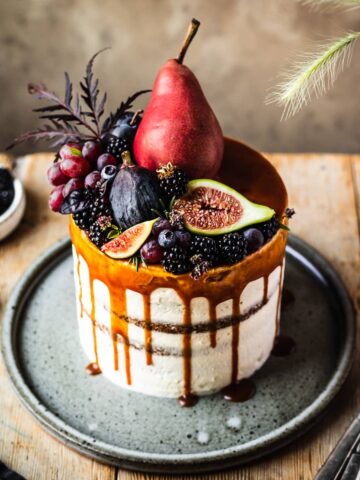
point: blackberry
(269, 228)
(206, 247)
(173, 182)
(98, 206)
(98, 230)
(82, 219)
(233, 247)
(176, 260)
(115, 146)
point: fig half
(128, 242)
(212, 208)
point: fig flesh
(212, 208)
(128, 242)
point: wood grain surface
(325, 192)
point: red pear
(179, 125)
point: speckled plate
(46, 364)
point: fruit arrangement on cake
(178, 236)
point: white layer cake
(212, 354)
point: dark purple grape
(104, 160)
(159, 226)
(73, 184)
(91, 151)
(92, 179)
(124, 128)
(183, 238)
(255, 239)
(166, 239)
(151, 252)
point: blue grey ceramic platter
(47, 368)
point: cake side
(152, 356)
(162, 334)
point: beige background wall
(239, 50)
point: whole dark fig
(135, 194)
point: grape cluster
(76, 167)
(80, 166)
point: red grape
(74, 168)
(73, 184)
(55, 175)
(70, 151)
(151, 252)
(104, 160)
(56, 198)
(92, 178)
(91, 151)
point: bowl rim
(16, 203)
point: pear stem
(190, 34)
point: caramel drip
(266, 288)
(93, 318)
(80, 286)
(278, 305)
(212, 319)
(93, 369)
(187, 350)
(240, 391)
(188, 399)
(119, 326)
(148, 334)
(235, 341)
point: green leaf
(112, 234)
(159, 214)
(283, 227)
(143, 261)
(172, 201)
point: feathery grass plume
(331, 4)
(314, 74)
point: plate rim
(189, 462)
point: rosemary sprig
(314, 75)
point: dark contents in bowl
(6, 189)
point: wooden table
(325, 192)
